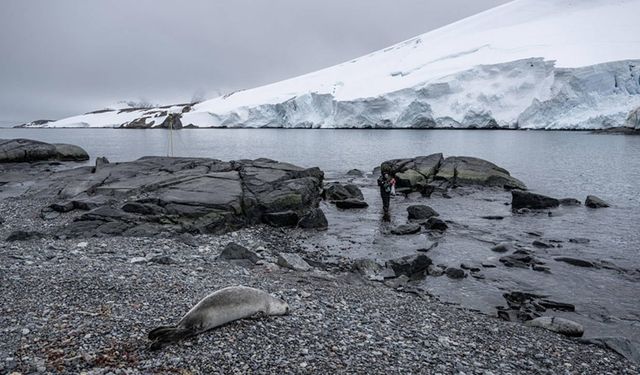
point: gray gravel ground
(78, 305)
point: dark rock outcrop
(426, 173)
(411, 265)
(26, 150)
(405, 229)
(594, 202)
(436, 224)
(455, 273)
(421, 212)
(575, 262)
(351, 203)
(194, 195)
(339, 192)
(464, 171)
(525, 199)
(21, 235)
(570, 202)
(233, 251)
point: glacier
(528, 64)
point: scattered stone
(233, 251)
(542, 244)
(430, 245)
(410, 265)
(293, 261)
(539, 268)
(579, 240)
(434, 270)
(421, 212)
(405, 229)
(436, 224)
(503, 247)
(455, 273)
(492, 217)
(555, 305)
(355, 173)
(138, 260)
(82, 245)
(570, 202)
(470, 267)
(314, 219)
(518, 260)
(525, 199)
(163, 259)
(23, 235)
(367, 267)
(351, 203)
(575, 262)
(594, 202)
(398, 282)
(560, 325)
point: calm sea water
(555, 163)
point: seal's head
(278, 306)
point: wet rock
(469, 171)
(405, 229)
(23, 235)
(339, 192)
(351, 203)
(293, 261)
(62, 206)
(413, 173)
(560, 325)
(410, 265)
(282, 219)
(503, 247)
(455, 273)
(314, 219)
(575, 262)
(518, 260)
(434, 270)
(398, 282)
(542, 244)
(430, 245)
(355, 173)
(539, 268)
(421, 212)
(524, 199)
(579, 240)
(66, 152)
(570, 202)
(233, 251)
(367, 267)
(555, 305)
(470, 267)
(436, 224)
(411, 179)
(163, 259)
(594, 202)
(26, 150)
(492, 217)
(142, 208)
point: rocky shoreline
(83, 299)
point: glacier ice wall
(527, 94)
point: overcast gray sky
(65, 57)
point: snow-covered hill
(528, 64)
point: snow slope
(526, 64)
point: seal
(219, 308)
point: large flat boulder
(464, 170)
(418, 173)
(197, 195)
(27, 150)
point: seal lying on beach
(218, 308)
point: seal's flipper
(165, 335)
